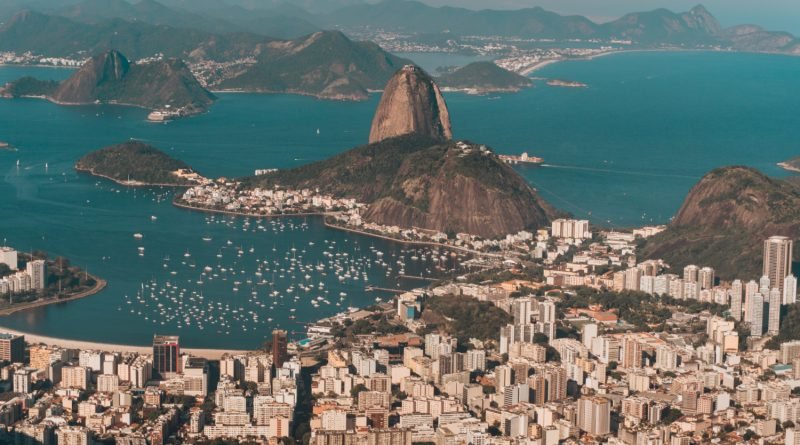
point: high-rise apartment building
(594, 415)
(778, 259)
(12, 348)
(280, 344)
(166, 356)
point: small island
(483, 78)
(792, 165)
(136, 164)
(566, 84)
(32, 280)
(164, 86)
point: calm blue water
(623, 152)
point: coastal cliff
(725, 219)
(411, 103)
(111, 78)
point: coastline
(85, 104)
(409, 242)
(788, 167)
(210, 354)
(336, 227)
(249, 215)
(91, 172)
(100, 284)
(538, 66)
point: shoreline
(408, 242)
(324, 215)
(788, 167)
(96, 103)
(100, 285)
(544, 63)
(207, 353)
(250, 215)
(136, 184)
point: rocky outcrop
(466, 190)
(725, 219)
(411, 104)
(89, 83)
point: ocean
(622, 152)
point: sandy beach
(211, 354)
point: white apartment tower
(790, 289)
(736, 300)
(757, 315)
(774, 323)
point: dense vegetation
(484, 76)
(638, 308)
(134, 161)
(401, 177)
(30, 86)
(790, 327)
(724, 221)
(466, 317)
(365, 173)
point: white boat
(138, 235)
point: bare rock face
(411, 104)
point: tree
(357, 390)
(672, 416)
(540, 338)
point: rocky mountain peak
(411, 104)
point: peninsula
(792, 165)
(138, 164)
(411, 177)
(109, 78)
(30, 280)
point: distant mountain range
(222, 28)
(326, 64)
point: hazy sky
(777, 15)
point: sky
(775, 15)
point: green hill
(724, 221)
(135, 163)
(415, 181)
(485, 77)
